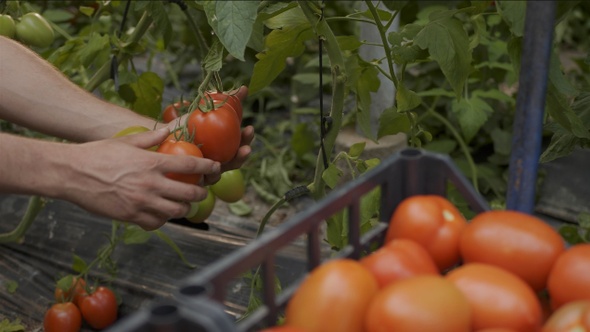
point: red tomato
(62, 317)
(433, 222)
(175, 110)
(399, 259)
(498, 298)
(497, 329)
(518, 242)
(283, 328)
(217, 132)
(573, 316)
(70, 289)
(569, 279)
(421, 303)
(333, 297)
(172, 146)
(223, 98)
(99, 309)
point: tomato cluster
(501, 271)
(76, 303)
(31, 29)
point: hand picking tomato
(175, 110)
(222, 98)
(498, 298)
(520, 243)
(571, 317)
(100, 308)
(333, 297)
(204, 208)
(569, 279)
(231, 186)
(34, 30)
(171, 146)
(70, 289)
(397, 260)
(420, 303)
(217, 132)
(433, 222)
(62, 317)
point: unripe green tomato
(7, 26)
(231, 186)
(203, 208)
(132, 131)
(34, 30)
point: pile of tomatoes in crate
(503, 271)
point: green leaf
(395, 5)
(332, 175)
(11, 326)
(513, 13)
(472, 114)
(281, 43)
(11, 286)
(502, 141)
(583, 220)
(88, 11)
(134, 234)
(391, 122)
(232, 22)
(448, 44)
(363, 79)
(406, 99)
(79, 264)
(562, 144)
(162, 23)
(515, 53)
(97, 47)
(348, 43)
(174, 247)
(557, 77)
(240, 208)
(445, 146)
(145, 95)
(303, 140)
(214, 59)
(571, 234)
(436, 92)
(273, 9)
(560, 110)
(356, 150)
(494, 94)
(336, 227)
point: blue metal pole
(530, 105)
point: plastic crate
(198, 303)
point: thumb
(147, 139)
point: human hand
(120, 179)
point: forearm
(36, 95)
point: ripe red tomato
(70, 289)
(573, 316)
(175, 110)
(399, 259)
(569, 278)
(520, 243)
(433, 222)
(231, 186)
(333, 297)
(420, 303)
(217, 132)
(498, 298)
(62, 317)
(172, 146)
(283, 328)
(223, 98)
(496, 329)
(100, 308)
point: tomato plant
(175, 110)
(99, 309)
(216, 131)
(498, 298)
(433, 222)
(62, 317)
(203, 208)
(222, 98)
(568, 279)
(7, 26)
(516, 241)
(333, 297)
(573, 316)
(34, 30)
(230, 187)
(421, 303)
(171, 146)
(399, 259)
(70, 289)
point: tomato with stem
(99, 309)
(175, 110)
(70, 289)
(222, 98)
(62, 317)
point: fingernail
(216, 167)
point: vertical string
(114, 61)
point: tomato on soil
(62, 317)
(571, 317)
(569, 279)
(498, 298)
(399, 259)
(171, 146)
(433, 222)
(420, 303)
(175, 110)
(231, 186)
(333, 297)
(100, 308)
(518, 242)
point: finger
(247, 135)
(241, 92)
(241, 156)
(169, 209)
(146, 139)
(211, 178)
(187, 164)
(179, 191)
(149, 221)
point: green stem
(382, 32)
(350, 18)
(60, 30)
(36, 204)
